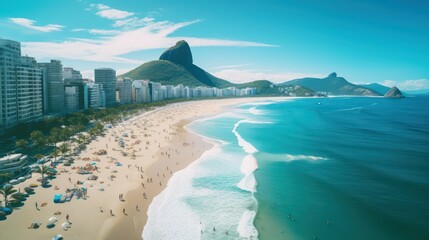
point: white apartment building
(53, 88)
(140, 91)
(71, 99)
(96, 96)
(20, 87)
(125, 87)
(70, 73)
(107, 77)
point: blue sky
(364, 41)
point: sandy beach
(115, 206)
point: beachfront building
(53, 87)
(70, 73)
(140, 91)
(71, 95)
(14, 164)
(81, 90)
(107, 77)
(155, 91)
(20, 87)
(125, 89)
(96, 96)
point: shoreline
(156, 135)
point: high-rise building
(70, 73)
(54, 87)
(125, 87)
(155, 91)
(82, 91)
(107, 77)
(141, 92)
(20, 86)
(71, 99)
(96, 96)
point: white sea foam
(168, 205)
(247, 147)
(248, 183)
(290, 157)
(255, 111)
(249, 164)
(245, 228)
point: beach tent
(57, 198)
(6, 210)
(53, 220)
(58, 237)
(65, 226)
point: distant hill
(393, 92)
(381, 89)
(333, 85)
(175, 66)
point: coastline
(162, 146)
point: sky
(365, 41)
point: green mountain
(393, 92)
(381, 89)
(175, 66)
(333, 85)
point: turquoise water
(319, 168)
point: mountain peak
(179, 53)
(394, 92)
(332, 75)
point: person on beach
(101, 210)
(123, 210)
(37, 206)
(67, 218)
(137, 208)
(111, 213)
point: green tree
(63, 149)
(21, 143)
(7, 191)
(55, 154)
(44, 170)
(4, 176)
(38, 138)
(39, 156)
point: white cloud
(97, 31)
(105, 11)
(103, 32)
(242, 76)
(28, 23)
(408, 84)
(154, 35)
(133, 22)
(78, 29)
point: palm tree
(55, 154)
(43, 169)
(6, 191)
(5, 176)
(39, 156)
(63, 149)
(55, 136)
(38, 138)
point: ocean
(304, 168)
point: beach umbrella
(58, 237)
(50, 225)
(53, 219)
(65, 225)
